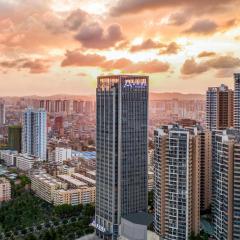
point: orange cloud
(190, 66)
(147, 44)
(206, 54)
(202, 27)
(75, 58)
(34, 66)
(172, 48)
(136, 6)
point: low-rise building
(5, 190)
(60, 154)
(72, 182)
(91, 174)
(87, 158)
(84, 179)
(25, 162)
(81, 195)
(9, 157)
(62, 189)
(45, 186)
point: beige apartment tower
(226, 185)
(177, 160)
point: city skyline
(51, 47)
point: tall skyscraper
(219, 108)
(34, 133)
(121, 179)
(177, 182)
(15, 137)
(2, 113)
(237, 101)
(226, 185)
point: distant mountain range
(176, 95)
(153, 96)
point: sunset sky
(61, 46)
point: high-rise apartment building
(15, 137)
(121, 176)
(205, 141)
(2, 113)
(226, 185)
(177, 162)
(34, 133)
(237, 101)
(219, 108)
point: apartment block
(5, 190)
(25, 162)
(45, 186)
(226, 184)
(62, 189)
(81, 195)
(219, 108)
(9, 157)
(237, 101)
(34, 133)
(177, 160)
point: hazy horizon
(92, 95)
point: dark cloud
(206, 54)
(76, 58)
(135, 6)
(202, 27)
(34, 66)
(220, 63)
(75, 20)
(179, 18)
(93, 35)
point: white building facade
(34, 133)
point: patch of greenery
(29, 217)
(24, 211)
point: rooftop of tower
(122, 75)
(105, 82)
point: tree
(31, 237)
(150, 200)
(89, 210)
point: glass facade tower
(122, 132)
